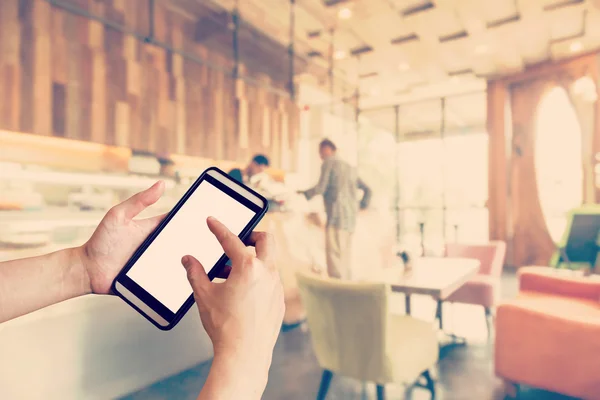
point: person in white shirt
(255, 172)
(257, 178)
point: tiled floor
(464, 373)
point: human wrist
(234, 375)
(245, 361)
(78, 272)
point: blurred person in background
(243, 346)
(337, 184)
(256, 175)
(236, 174)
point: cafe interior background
(475, 123)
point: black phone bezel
(147, 298)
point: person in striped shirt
(338, 185)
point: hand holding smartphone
(242, 315)
(153, 281)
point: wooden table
(437, 277)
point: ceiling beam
(209, 26)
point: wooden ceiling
(416, 49)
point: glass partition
(438, 150)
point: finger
(138, 202)
(232, 245)
(196, 275)
(149, 224)
(264, 243)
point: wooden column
(531, 242)
(595, 161)
(497, 172)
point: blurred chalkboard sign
(579, 245)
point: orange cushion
(550, 342)
(561, 307)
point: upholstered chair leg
(325, 382)
(511, 389)
(489, 320)
(439, 313)
(363, 394)
(380, 392)
(429, 383)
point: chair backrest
(579, 242)
(348, 323)
(491, 255)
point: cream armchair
(354, 334)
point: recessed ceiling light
(344, 13)
(404, 66)
(482, 49)
(576, 46)
(339, 54)
(475, 26)
(375, 91)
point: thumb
(134, 205)
(195, 274)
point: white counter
(93, 347)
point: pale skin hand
(242, 316)
(117, 237)
(32, 283)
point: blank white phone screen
(159, 270)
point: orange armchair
(549, 336)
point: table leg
(407, 303)
(439, 314)
(450, 341)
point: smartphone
(153, 281)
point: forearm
(32, 283)
(318, 189)
(310, 193)
(321, 186)
(230, 379)
(366, 198)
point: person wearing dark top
(256, 173)
(236, 174)
(337, 185)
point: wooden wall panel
(59, 103)
(122, 129)
(595, 161)
(10, 74)
(98, 114)
(497, 93)
(514, 204)
(75, 81)
(68, 76)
